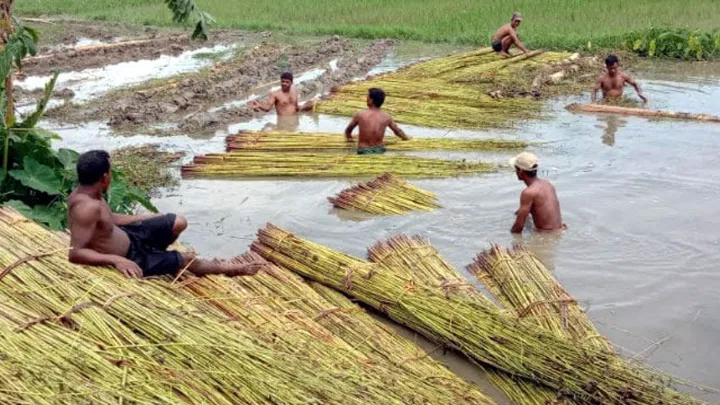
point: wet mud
(198, 101)
(98, 55)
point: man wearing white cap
(538, 199)
(506, 36)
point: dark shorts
(497, 46)
(149, 240)
(372, 150)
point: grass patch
(554, 24)
(146, 166)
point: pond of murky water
(640, 198)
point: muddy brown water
(640, 198)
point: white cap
(525, 161)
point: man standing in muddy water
(136, 245)
(284, 100)
(539, 198)
(506, 36)
(372, 123)
(612, 83)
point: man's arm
(256, 105)
(633, 83)
(398, 131)
(82, 228)
(517, 41)
(122, 220)
(596, 88)
(526, 200)
(351, 126)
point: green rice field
(558, 24)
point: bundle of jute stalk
(151, 341)
(523, 284)
(325, 165)
(583, 373)
(339, 327)
(385, 195)
(434, 103)
(279, 311)
(250, 141)
(419, 260)
(478, 89)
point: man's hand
(643, 98)
(249, 269)
(349, 139)
(128, 267)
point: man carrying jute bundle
(136, 245)
(538, 199)
(372, 123)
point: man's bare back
(372, 125)
(373, 122)
(104, 235)
(538, 200)
(545, 207)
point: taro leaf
(139, 196)
(53, 216)
(37, 177)
(117, 195)
(651, 48)
(68, 158)
(20, 207)
(43, 134)
(637, 44)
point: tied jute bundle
(583, 373)
(473, 90)
(422, 262)
(80, 335)
(385, 195)
(325, 165)
(250, 141)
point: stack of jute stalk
(250, 141)
(307, 315)
(418, 259)
(71, 334)
(324, 165)
(385, 195)
(461, 91)
(581, 372)
(523, 284)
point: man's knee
(187, 257)
(180, 225)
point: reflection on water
(611, 124)
(642, 243)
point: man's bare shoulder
(82, 207)
(530, 192)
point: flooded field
(639, 197)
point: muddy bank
(195, 101)
(98, 55)
(355, 63)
